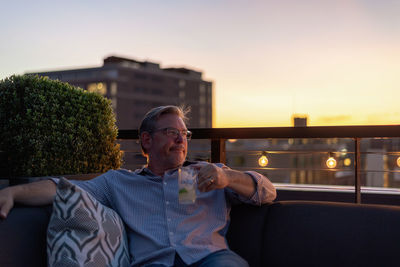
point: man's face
(165, 151)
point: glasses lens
(172, 132)
(188, 135)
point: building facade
(135, 87)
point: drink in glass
(187, 180)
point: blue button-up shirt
(157, 225)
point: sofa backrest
(287, 233)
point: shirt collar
(146, 171)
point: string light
(263, 160)
(398, 162)
(347, 162)
(331, 161)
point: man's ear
(146, 140)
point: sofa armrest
(23, 236)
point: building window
(100, 88)
(202, 89)
(202, 92)
(202, 113)
(157, 91)
(182, 83)
(182, 95)
(141, 90)
(111, 74)
(114, 99)
(140, 76)
(202, 100)
(114, 89)
(114, 103)
(157, 78)
(202, 122)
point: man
(163, 232)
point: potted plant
(48, 127)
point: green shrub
(49, 127)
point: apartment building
(135, 87)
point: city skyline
(335, 61)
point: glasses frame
(174, 133)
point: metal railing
(218, 136)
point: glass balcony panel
(199, 149)
(295, 161)
(133, 158)
(379, 163)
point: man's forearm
(37, 193)
(241, 183)
(244, 184)
(211, 177)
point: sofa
(285, 233)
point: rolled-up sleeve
(265, 191)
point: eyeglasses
(173, 132)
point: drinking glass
(187, 181)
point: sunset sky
(336, 61)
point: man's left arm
(250, 185)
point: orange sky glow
(336, 61)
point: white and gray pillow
(83, 232)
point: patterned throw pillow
(83, 232)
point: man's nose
(179, 138)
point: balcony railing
(218, 145)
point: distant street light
(263, 160)
(331, 162)
(347, 162)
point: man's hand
(210, 177)
(6, 202)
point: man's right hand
(6, 202)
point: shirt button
(171, 233)
(167, 202)
(165, 183)
(169, 219)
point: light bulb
(331, 163)
(347, 162)
(263, 161)
(398, 162)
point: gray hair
(149, 121)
